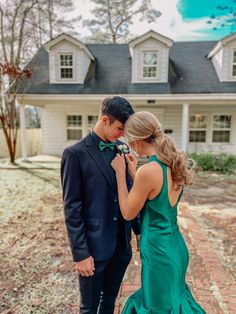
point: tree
(8, 111)
(24, 25)
(49, 19)
(32, 117)
(226, 17)
(13, 19)
(112, 18)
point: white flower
(123, 149)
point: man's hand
(85, 267)
(138, 236)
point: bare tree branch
(112, 18)
(3, 36)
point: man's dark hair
(116, 108)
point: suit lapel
(95, 154)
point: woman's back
(159, 212)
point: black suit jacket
(91, 202)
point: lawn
(35, 268)
(36, 271)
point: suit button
(115, 218)
(115, 200)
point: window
(149, 64)
(221, 129)
(92, 121)
(66, 66)
(234, 64)
(197, 128)
(74, 127)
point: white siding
(217, 61)
(228, 62)
(223, 62)
(33, 140)
(163, 61)
(54, 131)
(158, 112)
(215, 147)
(54, 128)
(84, 65)
(173, 121)
(170, 118)
(80, 59)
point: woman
(157, 189)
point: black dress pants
(98, 292)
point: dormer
(223, 56)
(150, 58)
(69, 60)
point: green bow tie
(103, 145)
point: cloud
(172, 23)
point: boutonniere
(123, 149)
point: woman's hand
(118, 163)
(132, 164)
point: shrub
(222, 162)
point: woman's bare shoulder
(150, 169)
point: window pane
(197, 136)
(221, 136)
(66, 73)
(74, 121)
(66, 60)
(198, 121)
(150, 58)
(74, 134)
(221, 122)
(234, 70)
(149, 72)
(234, 59)
(92, 120)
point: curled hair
(145, 126)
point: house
(189, 86)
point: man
(98, 235)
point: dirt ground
(212, 201)
(36, 271)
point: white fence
(34, 143)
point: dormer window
(66, 66)
(234, 64)
(223, 56)
(150, 58)
(69, 60)
(149, 64)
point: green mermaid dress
(164, 258)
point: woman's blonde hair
(145, 126)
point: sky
(181, 20)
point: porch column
(23, 133)
(184, 135)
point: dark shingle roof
(190, 72)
